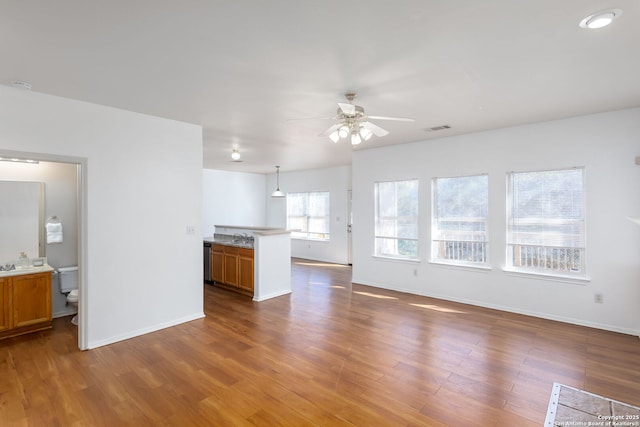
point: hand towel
(54, 233)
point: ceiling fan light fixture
(365, 133)
(334, 136)
(600, 19)
(235, 155)
(343, 132)
(355, 138)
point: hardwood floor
(331, 353)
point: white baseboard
(142, 331)
(273, 295)
(63, 313)
(580, 322)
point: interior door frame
(82, 214)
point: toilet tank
(68, 278)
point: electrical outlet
(191, 230)
(598, 298)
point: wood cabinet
(217, 262)
(25, 303)
(245, 269)
(5, 304)
(232, 268)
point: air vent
(437, 128)
(21, 85)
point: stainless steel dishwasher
(207, 262)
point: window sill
(468, 267)
(305, 239)
(579, 280)
(392, 258)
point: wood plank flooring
(330, 354)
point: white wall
(232, 198)
(61, 182)
(143, 178)
(336, 180)
(606, 144)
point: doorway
(65, 179)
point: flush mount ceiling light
(278, 193)
(235, 155)
(600, 19)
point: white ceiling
(242, 68)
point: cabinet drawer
(246, 253)
(231, 250)
(217, 248)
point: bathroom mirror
(21, 220)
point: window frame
(435, 219)
(554, 274)
(305, 235)
(377, 218)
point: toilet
(68, 281)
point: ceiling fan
(354, 123)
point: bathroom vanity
(251, 260)
(25, 300)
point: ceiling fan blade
(348, 109)
(311, 118)
(397, 119)
(377, 130)
(331, 129)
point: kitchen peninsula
(252, 260)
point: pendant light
(278, 193)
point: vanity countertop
(19, 271)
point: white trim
(145, 330)
(469, 267)
(392, 258)
(272, 295)
(578, 280)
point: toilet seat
(73, 296)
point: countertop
(256, 231)
(19, 271)
(229, 241)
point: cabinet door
(217, 263)
(31, 299)
(231, 266)
(5, 306)
(245, 269)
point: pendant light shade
(278, 193)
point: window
(546, 224)
(308, 215)
(396, 216)
(459, 220)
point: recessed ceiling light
(600, 19)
